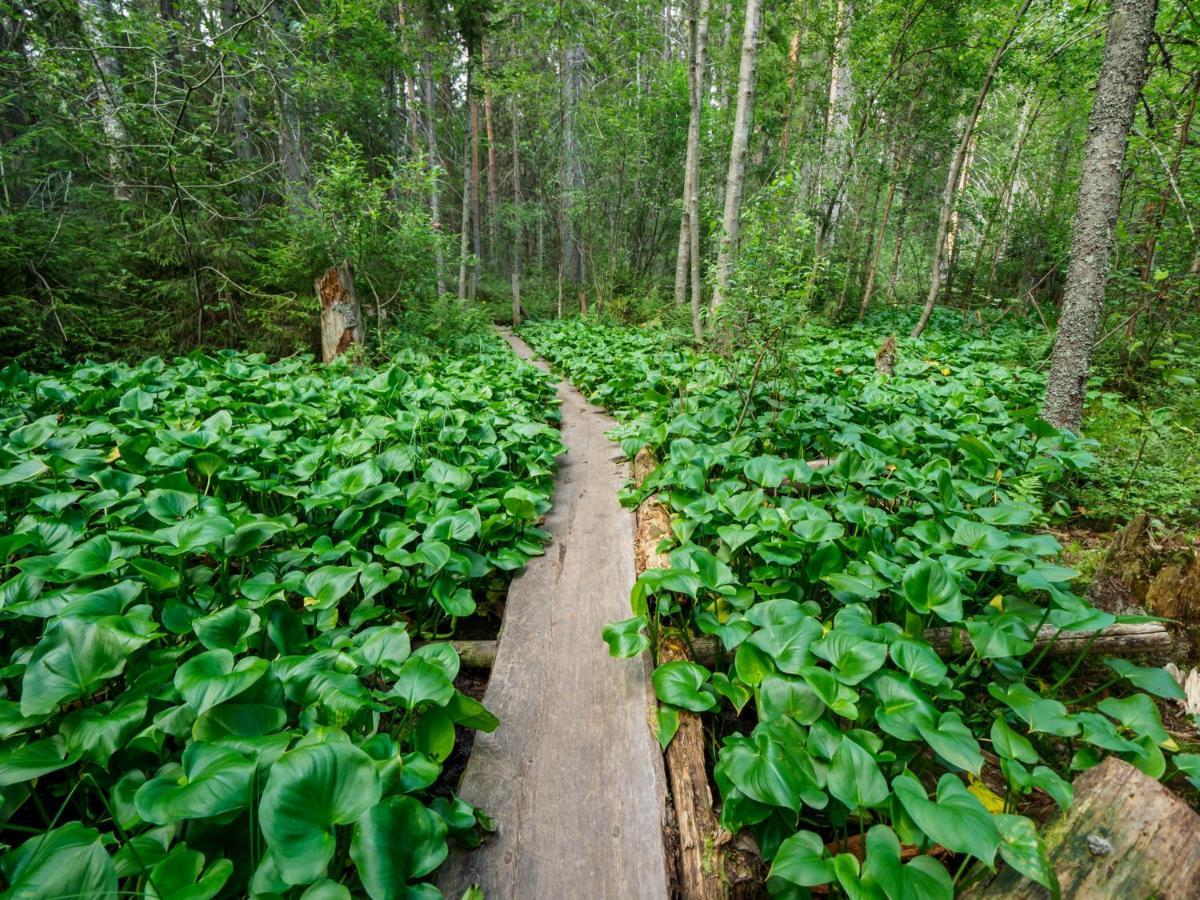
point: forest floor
(572, 776)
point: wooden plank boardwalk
(573, 775)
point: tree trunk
(476, 205)
(735, 178)
(953, 176)
(464, 235)
(698, 93)
(291, 147)
(493, 183)
(837, 122)
(518, 231)
(341, 315)
(572, 262)
(241, 109)
(1122, 73)
(898, 247)
(92, 14)
(432, 161)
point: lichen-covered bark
(1122, 73)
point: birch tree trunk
(1122, 74)
(735, 178)
(700, 37)
(518, 235)
(837, 122)
(493, 186)
(941, 255)
(432, 160)
(92, 14)
(572, 163)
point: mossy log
(1125, 837)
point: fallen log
(1150, 637)
(711, 865)
(1125, 835)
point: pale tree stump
(1126, 837)
(341, 314)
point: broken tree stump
(341, 314)
(1125, 837)
(885, 359)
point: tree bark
(476, 205)
(493, 182)
(341, 315)
(954, 175)
(1125, 835)
(432, 161)
(736, 176)
(92, 14)
(291, 146)
(518, 231)
(464, 234)
(837, 122)
(1122, 74)
(689, 227)
(572, 262)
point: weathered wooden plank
(1126, 837)
(572, 776)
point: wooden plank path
(573, 775)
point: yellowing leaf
(310, 602)
(946, 370)
(991, 801)
(997, 602)
(113, 455)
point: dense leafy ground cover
(222, 588)
(832, 712)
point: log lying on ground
(341, 314)
(1125, 836)
(711, 866)
(1150, 637)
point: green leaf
(169, 506)
(397, 841)
(668, 724)
(1039, 713)
(69, 861)
(956, 820)
(626, 638)
(681, 684)
(420, 681)
(212, 780)
(1021, 848)
(329, 584)
(771, 771)
(852, 656)
(310, 791)
(953, 742)
(23, 763)
(919, 660)
(854, 777)
(1011, 745)
(212, 678)
(924, 878)
(1156, 680)
(801, 860)
(929, 587)
(181, 875)
(72, 660)
(1137, 713)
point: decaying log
(1120, 640)
(476, 654)
(341, 314)
(712, 864)
(1150, 637)
(1125, 836)
(885, 359)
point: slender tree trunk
(291, 146)
(493, 182)
(837, 122)
(476, 205)
(793, 74)
(734, 180)
(432, 161)
(464, 237)
(572, 262)
(1007, 200)
(1122, 74)
(953, 176)
(700, 38)
(877, 246)
(92, 14)
(243, 146)
(898, 248)
(518, 231)
(952, 244)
